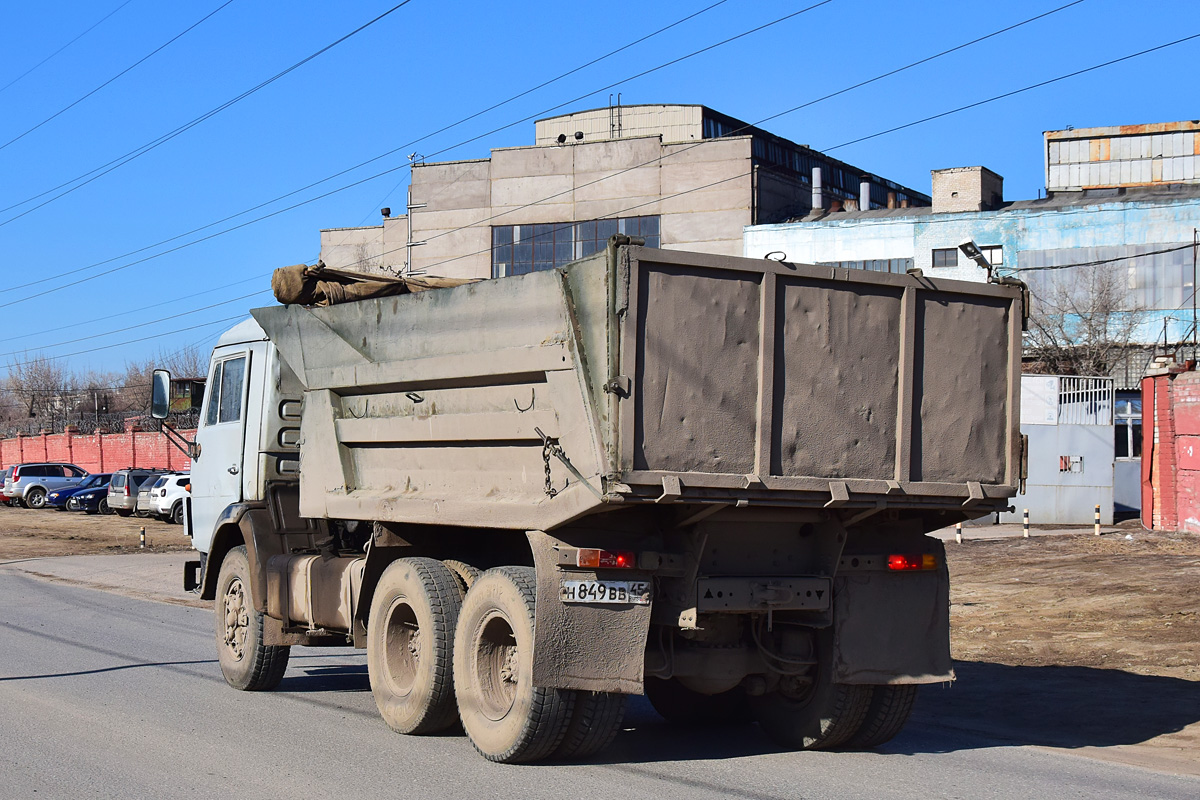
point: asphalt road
(104, 696)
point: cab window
(225, 395)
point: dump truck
(701, 478)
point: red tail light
(914, 561)
(604, 559)
(16, 474)
(127, 488)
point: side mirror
(160, 394)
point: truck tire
(506, 717)
(246, 663)
(410, 638)
(464, 572)
(820, 715)
(679, 705)
(890, 708)
(594, 724)
(36, 497)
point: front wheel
(246, 662)
(506, 717)
(104, 507)
(410, 637)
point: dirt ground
(25, 533)
(1068, 641)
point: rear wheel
(594, 724)
(36, 498)
(507, 718)
(679, 705)
(177, 514)
(410, 638)
(246, 662)
(889, 709)
(464, 572)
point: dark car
(58, 499)
(93, 501)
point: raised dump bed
(641, 375)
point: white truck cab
(249, 431)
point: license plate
(635, 592)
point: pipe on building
(864, 194)
(818, 196)
(891, 200)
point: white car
(168, 496)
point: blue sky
(430, 64)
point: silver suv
(124, 486)
(28, 484)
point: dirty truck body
(704, 478)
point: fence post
(1025, 524)
(1097, 520)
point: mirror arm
(189, 449)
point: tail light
(912, 561)
(127, 488)
(593, 559)
(16, 474)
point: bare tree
(186, 363)
(1084, 321)
(41, 385)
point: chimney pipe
(891, 199)
(818, 197)
(864, 194)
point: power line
(736, 131)
(121, 161)
(65, 46)
(141, 60)
(134, 311)
(131, 341)
(144, 324)
(1016, 92)
(1102, 261)
(361, 181)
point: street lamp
(972, 251)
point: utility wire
(361, 181)
(1016, 92)
(1187, 246)
(64, 47)
(140, 61)
(130, 341)
(58, 328)
(121, 161)
(349, 169)
(144, 324)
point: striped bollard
(1097, 520)
(143, 537)
(1025, 524)
(958, 533)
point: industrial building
(681, 176)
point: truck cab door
(217, 470)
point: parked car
(124, 486)
(28, 484)
(59, 497)
(93, 501)
(3, 480)
(169, 496)
(146, 494)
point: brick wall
(98, 452)
(1171, 429)
(966, 189)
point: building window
(945, 258)
(994, 253)
(1128, 428)
(897, 265)
(518, 249)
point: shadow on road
(990, 705)
(1051, 706)
(303, 677)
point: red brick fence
(97, 452)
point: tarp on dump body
(322, 286)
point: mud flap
(893, 627)
(596, 647)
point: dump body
(644, 376)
